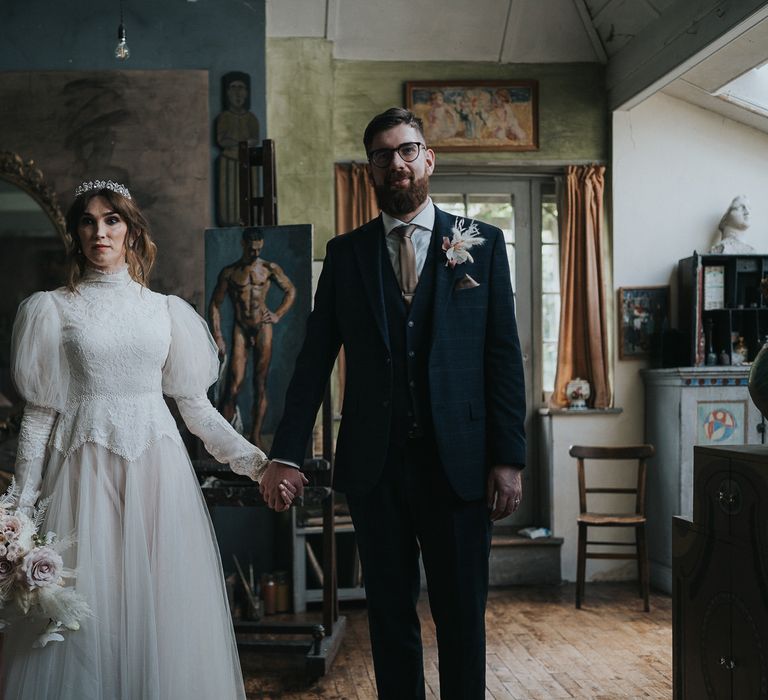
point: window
(526, 211)
(550, 291)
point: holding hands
(280, 484)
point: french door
(525, 209)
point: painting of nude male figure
(258, 290)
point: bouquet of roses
(32, 572)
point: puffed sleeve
(38, 364)
(193, 362)
(40, 373)
(191, 367)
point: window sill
(579, 412)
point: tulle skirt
(148, 565)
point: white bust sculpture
(732, 227)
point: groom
(431, 442)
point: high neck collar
(116, 277)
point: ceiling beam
(331, 19)
(589, 28)
(687, 33)
(737, 58)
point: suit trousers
(413, 509)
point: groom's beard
(396, 201)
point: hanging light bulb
(122, 51)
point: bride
(93, 360)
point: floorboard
(539, 648)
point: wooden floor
(539, 648)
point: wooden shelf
(307, 558)
(315, 595)
(743, 309)
(318, 529)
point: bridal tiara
(90, 185)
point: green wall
(318, 107)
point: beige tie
(409, 278)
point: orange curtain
(355, 198)
(355, 204)
(583, 344)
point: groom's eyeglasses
(408, 151)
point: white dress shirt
(425, 222)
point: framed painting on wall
(643, 310)
(477, 115)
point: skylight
(749, 90)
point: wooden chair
(258, 184)
(591, 518)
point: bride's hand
(274, 477)
(287, 491)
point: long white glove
(220, 438)
(36, 426)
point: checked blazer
(475, 370)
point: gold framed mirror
(32, 233)
(26, 176)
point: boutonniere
(457, 248)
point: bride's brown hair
(140, 249)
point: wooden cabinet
(688, 406)
(720, 579)
(720, 297)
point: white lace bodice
(103, 356)
(116, 336)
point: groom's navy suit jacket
(475, 371)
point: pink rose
(11, 526)
(13, 551)
(6, 570)
(41, 567)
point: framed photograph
(258, 291)
(477, 115)
(643, 309)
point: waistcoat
(410, 335)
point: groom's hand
(276, 474)
(504, 490)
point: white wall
(675, 168)
(585, 429)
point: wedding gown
(99, 439)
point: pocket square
(465, 282)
